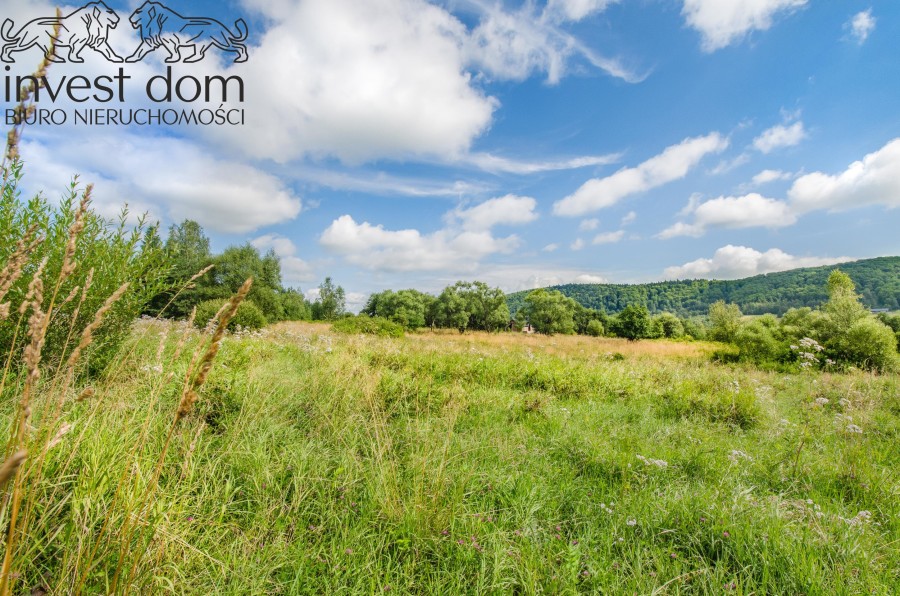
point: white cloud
(172, 178)
(733, 262)
(780, 136)
(748, 211)
(767, 176)
(513, 45)
(508, 210)
(575, 10)
(861, 25)
(875, 180)
(672, 164)
(588, 225)
(723, 22)
(496, 164)
(609, 237)
(294, 270)
(373, 247)
(629, 218)
(578, 244)
(359, 81)
(590, 279)
(550, 248)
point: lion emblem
(87, 27)
(163, 27)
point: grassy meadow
(315, 462)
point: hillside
(877, 280)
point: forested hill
(877, 280)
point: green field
(316, 462)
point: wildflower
(348, 551)
(852, 428)
(736, 455)
(726, 534)
(653, 462)
(632, 522)
(673, 555)
(821, 401)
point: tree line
(877, 282)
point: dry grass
(575, 346)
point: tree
(187, 253)
(407, 307)
(634, 322)
(550, 312)
(724, 320)
(451, 310)
(331, 303)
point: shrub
(248, 315)
(595, 328)
(868, 344)
(109, 253)
(757, 343)
(369, 326)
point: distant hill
(877, 280)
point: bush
(595, 328)
(369, 326)
(248, 315)
(869, 344)
(757, 343)
(111, 253)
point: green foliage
(550, 312)
(757, 342)
(724, 321)
(296, 307)
(633, 323)
(112, 252)
(877, 280)
(868, 344)
(248, 315)
(367, 325)
(467, 305)
(594, 329)
(669, 326)
(406, 307)
(330, 304)
(187, 251)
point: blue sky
(405, 143)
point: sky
(408, 143)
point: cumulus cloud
(723, 22)
(590, 279)
(672, 164)
(748, 211)
(874, 180)
(550, 248)
(861, 25)
(780, 136)
(375, 79)
(294, 270)
(171, 178)
(374, 247)
(608, 237)
(588, 225)
(577, 244)
(629, 218)
(508, 210)
(733, 262)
